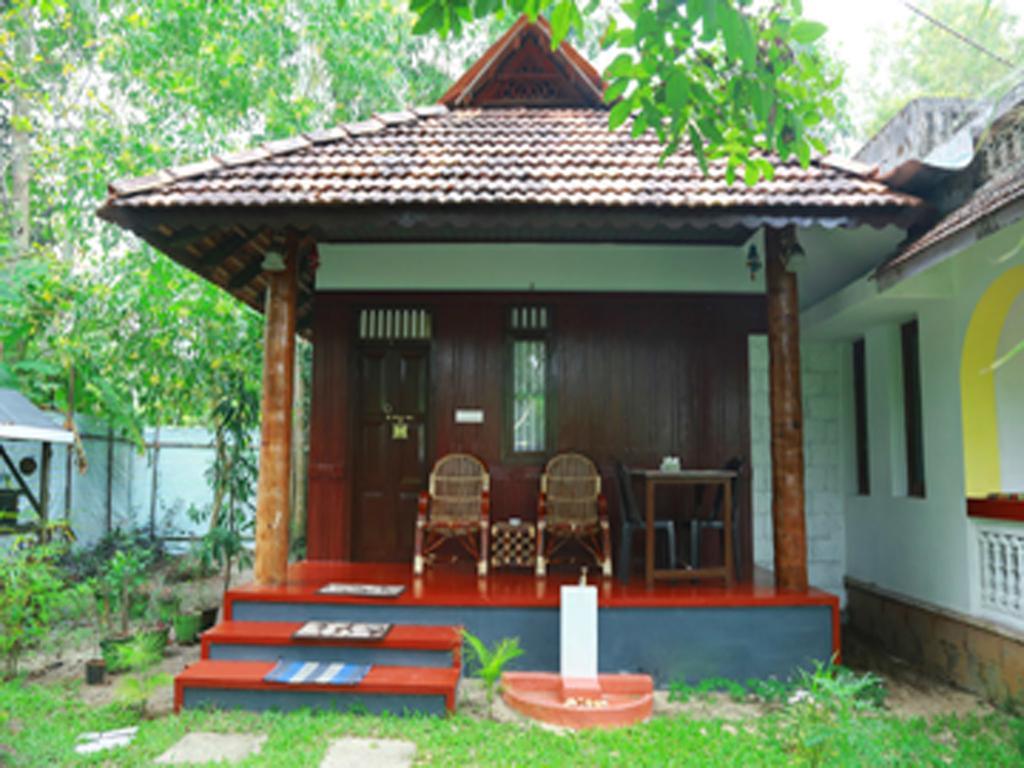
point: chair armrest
(542, 506)
(423, 504)
(602, 508)
(485, 507)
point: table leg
(730, 572)
(649, 534)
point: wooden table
(656, 478)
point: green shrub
(491, 662)
(831, 715)
(139, 656)
(32, 593)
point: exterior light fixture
(796, 257)
(753, 261)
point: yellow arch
(978, 384)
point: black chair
(632, 522)
(715, 522)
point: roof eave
(901, 267)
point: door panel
(391, 464)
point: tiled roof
(994, 195)
(498, 156)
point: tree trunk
(21, 148)
(220, 475)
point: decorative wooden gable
(521, 70)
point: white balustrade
(1001, 569)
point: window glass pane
(529, 374)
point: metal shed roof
(20, 420)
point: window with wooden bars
(528, 402)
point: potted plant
(117, 589)
(98, 603)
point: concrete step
(240, 685)
(403, 646)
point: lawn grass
(39, 724)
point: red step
(401, 636)
(249, 675)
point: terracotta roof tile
(536, 156)
(995, 194)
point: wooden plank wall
(633, 376)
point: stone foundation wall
(970, 653)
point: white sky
(850, 24)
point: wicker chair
(455, 506)
(571, 507)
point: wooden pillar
(273, 490)
(787, 433)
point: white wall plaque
(469, 416)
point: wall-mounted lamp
(796, 257)
(753, 262)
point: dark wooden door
(391, 451)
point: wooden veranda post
(273, 491)
(787, 433)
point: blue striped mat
(319, 673)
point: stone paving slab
(200, 747)
(360, 753)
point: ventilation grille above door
(394, 325)
(528, 318)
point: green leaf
(697, 145)
(639, 126)
(621, 66)
(561, 18)
(806, 32)
(615, 90)
(751, 174)
(677, 89)
(432, 18)
(618, 114)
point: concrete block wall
(826, 547)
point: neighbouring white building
(915, 407)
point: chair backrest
(571, 485)
(458, 482)
(628, 511)
(736, 465)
